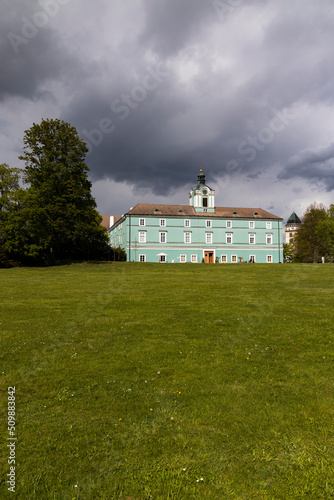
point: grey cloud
(32, 55)
(313, 164)
(224, 77)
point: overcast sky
(161, 88)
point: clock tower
(201, 196)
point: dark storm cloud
(162, 88)
(32, 53)
(312, 164)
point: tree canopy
(315, 237)
(56, 216)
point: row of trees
(315, 237)
(47, 211)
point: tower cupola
(201, 196)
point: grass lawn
(169, 381)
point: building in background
(198, 232)
(291, 227)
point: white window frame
(229, 236)
(142, 258)
(252, 258)
(187, 236)
(194, 258)
(224, 259)
(142, 237)
(142, 222)
(236, 259)
(162, 222)
(187, 223)
(208, 238)
(165, 236)
(269, 239)
(229, 224)
(251, 224)
(251, 237)
(268, 225)
(208, 223)
(269, 259)
(183, 258)
(162, 258)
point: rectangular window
(269, 239)
(187, 237)
(205, 209)
(194, 258)
(208, 223)
(142, 236)
(208, 238)
(229, 238)
(252, 258)
(234, 258)
(224, 258)
(142, 258)
(187, 223)
(251, 238)
(142, 222)
(162, 258)
(251, 224)
(183, 258)
(205, 202)
(269, 258)
(268, 225)
(162, 222)
(228, 223)
(163, 237)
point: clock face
(205, 191)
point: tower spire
(201, 177)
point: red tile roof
(187, 210)
(106, 220)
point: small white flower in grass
(158, 373)
(172, 418)
(184, 469)
(75, 486)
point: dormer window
(205, 202)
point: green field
(161, 381)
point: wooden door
(208, 257)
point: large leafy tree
(311, 242)
(325, 231)
(11, 196)
(59, 219)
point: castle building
(198, 232)
(291, 227)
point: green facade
(183, 234)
